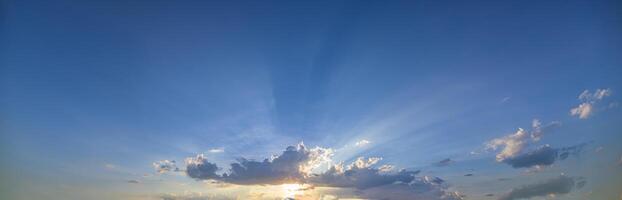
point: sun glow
(291, 190)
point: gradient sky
(92, 93)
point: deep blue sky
(87, 84)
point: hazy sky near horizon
(470, 99)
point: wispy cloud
(217, 150)
(362, 143)
(560, 185)
(589, 101)
(444, 162)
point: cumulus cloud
(589, 101)
(199, 168)
(556, 186)
(164, 166)
(372, 183)
(293, 165)
(299, 164)
(513, 144)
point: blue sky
(92, 94)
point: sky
(424, 100)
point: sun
(291, 190)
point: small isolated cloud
(588, 102)
(133, 181)
(199, 168)
(216, 150)
(110, 166)
(165, 166)
(513, 144)
(444, 162)
(556, 186)
(362, 143)
(505, 99)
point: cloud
(199, 168)
(133, 181)
(543, 156)
(362, 143)
(513, 144)
(164, 166)
(538, 130)
(556, 186)
(444, 162)
(589, 101)
(293, 165)
(110, 166)
(216, 150)
(374, 183)
(299, 164)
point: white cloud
(216, 150)
(513, 144)
(362, 143)
(584, 110)
(110, 166)
(589, 101)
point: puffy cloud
(589, 100)
(556, 186)
(164, 166)
(293, 165)
(513, 144)
(199, 168)
(362, 143)
(360, 174)
(376, 183)
(297, 165)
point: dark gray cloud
(201, 169)
(293, 165)
(560, 185)
(543, 156)
(360, 176)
